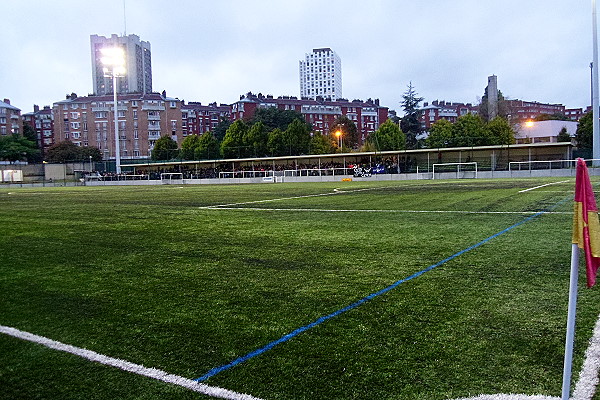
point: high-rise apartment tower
(138, 64)
(321, 74)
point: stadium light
(339, 136)
(113, 59)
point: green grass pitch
(161, 276)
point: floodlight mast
(114, 66)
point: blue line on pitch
(319, 321)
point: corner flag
(586, 228)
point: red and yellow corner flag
(586, 229)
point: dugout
(488, 158)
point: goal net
(458, 170)
(171, 177)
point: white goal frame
(168, 177)
(458, 164)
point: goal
(458, 170)
(168, 178)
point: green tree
(165, 148)
(584, 132)
(297, 136)
(256, 138)
(503, 107)
(30, 135)
(500, 131)
(15, 147)
(188, 147)
(411, 121)
(208, 147)
(388, 137)
(233, 145)
(90, 151)
(221, 129)
(62, 152)
(273, 117)
(321, 144)
(563, 135)
(469, 130)
(276, 143)
(440, 134)
(348, 129)
(551, 117)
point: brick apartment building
(520, 110)
(198, 119)
(42, 121)
(142, 119)
(440, 109)
(320, 113)
(10, 118)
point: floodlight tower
(113, 59)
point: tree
(297, 136)
(233, 145)
(90, 151)
(563, 135)
(188, 147)
(208, 147)
(584, 132)
(273, 117)
(17, 148)
(348, 129)
(165, 148)
(62, 152)
(276, 144)
(552, 117)
(440, 134)
(388, 137)
(321, 144)
(33, 154)
(256, 138)
(500, 131)
(221, 129)
(411, 122)
(469, 130)
(503, 107)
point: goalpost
(462, 169)
(171, 177)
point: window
(121, 114)
(101, 114)
(135, 134)
(135, 115)
(134, 103)
(173, 104)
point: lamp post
(113, 59)
(339, 136)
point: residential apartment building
(321, 75)
(198, 119)
(520, 110)
(142, 120)
(320, 113)
(441, 109)
(42, 121)
(138, 65)
(10, 118)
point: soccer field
(347, 290)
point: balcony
(153, 135)
(153, 117)
(153, 107)
(96, 109)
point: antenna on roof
(124, 19)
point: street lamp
(339, 136)
(113, 59)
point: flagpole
(595, 94)
(566, 387)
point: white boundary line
(382, 211)
(537, 187)
(128, 366)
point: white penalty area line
(541, 186)
(128, 366)
(383, 211)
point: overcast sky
(215, 50)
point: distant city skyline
(206, 52)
